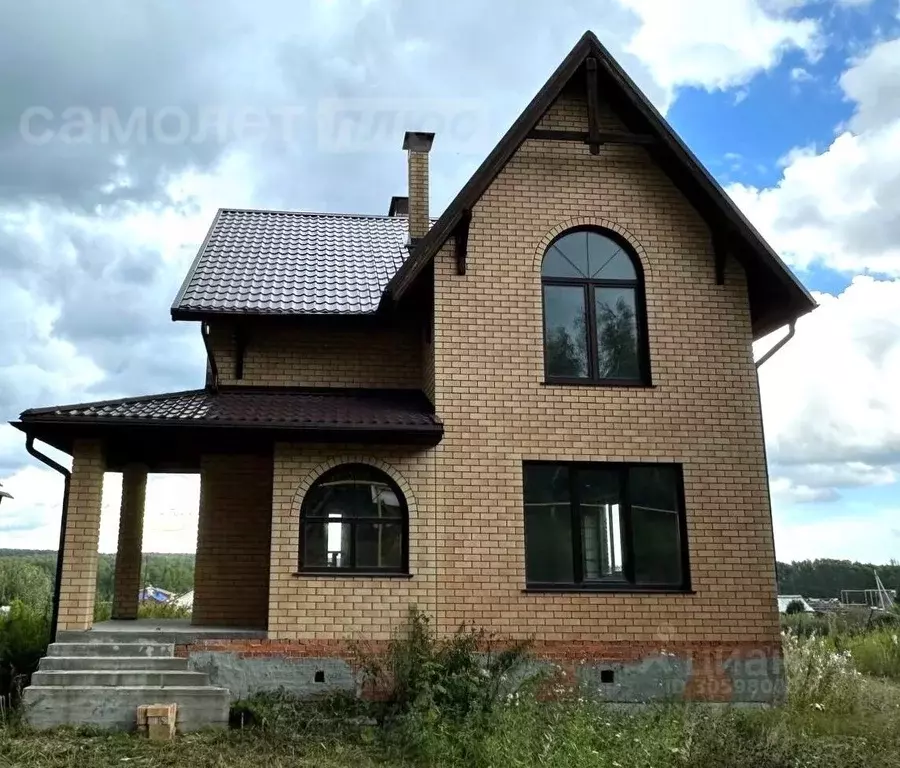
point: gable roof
(283, 263)
(776, 295)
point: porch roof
(177, 427)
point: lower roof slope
(297, 414)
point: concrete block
(157, 721)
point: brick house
(538, 413)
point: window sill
(616, 589)
(336, 574)
(598, 384)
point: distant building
(185, 601)
(785, 600)
(155, 595)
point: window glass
(354, 518)
(593, 297)
(626, 530)
(548, 525)
(617, 333)
(656, 523)
(565, 331)
(601, 531)
(379, 545)
(607, 260)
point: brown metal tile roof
(288, 409)
(278, 262)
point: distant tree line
(175, 573)
(33, 571)
(826, 578)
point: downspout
(213, 368)
(791, 329)
(67, 477)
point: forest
(174, 573)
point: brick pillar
(418, 146)
(131, 535)
(231, 571)
(79, 571)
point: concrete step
(126, 678)
(111, 663)
(116, 708)
(112, 649)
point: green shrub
(146, 610)
(153, 610)
(26, 582)
(442, 678)
(875, 653)
(819, 676)
(795, 606)
(24, 636)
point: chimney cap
(417, 141)
(399, 206)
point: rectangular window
(612, 527)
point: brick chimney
(418, 145)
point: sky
(124, 126)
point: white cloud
(715, 45)
(830, 402)
(838, 207)
(800, 75)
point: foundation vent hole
(320, 676)
(607, 676)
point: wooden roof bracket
(593, 103)
(461, 241)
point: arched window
(595, 327)
(354, 518)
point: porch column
(131, 535)
(79, 565)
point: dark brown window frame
(626, 585)
(344, 571)
(589, 284)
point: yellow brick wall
(316, 357)
(337, 608)
(79, 582)
(231, 576)
(702, 410)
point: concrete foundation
(306, 677)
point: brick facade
(231, 575)
(702, 410)
(313, 356)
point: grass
(834, 716)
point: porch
(228, 437)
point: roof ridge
(281, 212)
